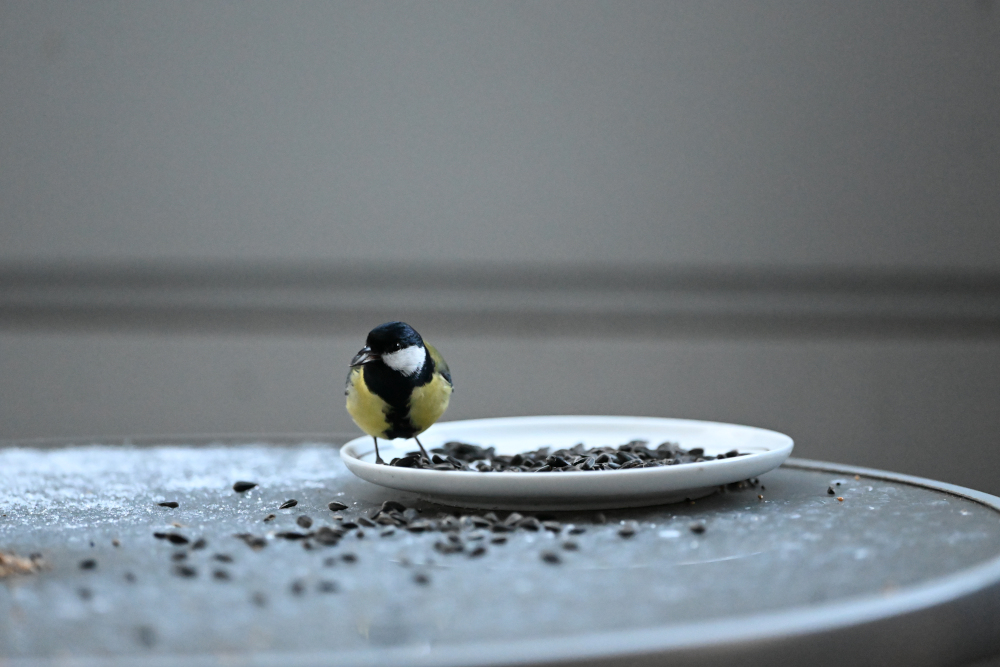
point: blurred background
(774, 213)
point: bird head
(396, 345)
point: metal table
(885, 570)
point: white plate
(573, 490)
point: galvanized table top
(817, 562)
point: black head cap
(392, 336)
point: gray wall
(778, 213)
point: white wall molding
(528, 299)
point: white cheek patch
(407, 361)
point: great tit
(398, 385)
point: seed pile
(466, 457)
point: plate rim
(496, 489)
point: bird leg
(424, 451)
(378, 459)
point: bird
(398, 385)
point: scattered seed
(626, 531)
(304, 521)
(292, 535)
(84, 593)
(498, 539)
(697, 527)
(298, 587)
(421, 578)
(600, 518)
(146, 636)
(171, 504)
(393, 506)
(179, 556)
(88, 564)
(223, 558)
(577, 530)
(177, 538)
(840, 498)
(760, 497)
(259, 599)
(359, 534)
(478, 551)
(200, 543)
(326, 586)
(269, 517)
(570, 545)
(349, 558)
(329, 561)
(129, 577)
(220, 575)
(254, 542)
(116, 543)
(288, 503)
(551, 557)
(336, 506)
(387, 532)
(830, 490)
(240, 487)
(185, 571)
(367, 523)
(327, 536)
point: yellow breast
(367, 409)
(428, 402)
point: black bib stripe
(395, 389)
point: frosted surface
(799, 546)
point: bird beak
(364, 356)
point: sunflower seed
(88, 564)
(240, 487)
(336, 506)
(304, 521)
(551, 557)
(292, 535)
(171, 504)
(287, 504)
(185, 571)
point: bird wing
(439, 363)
